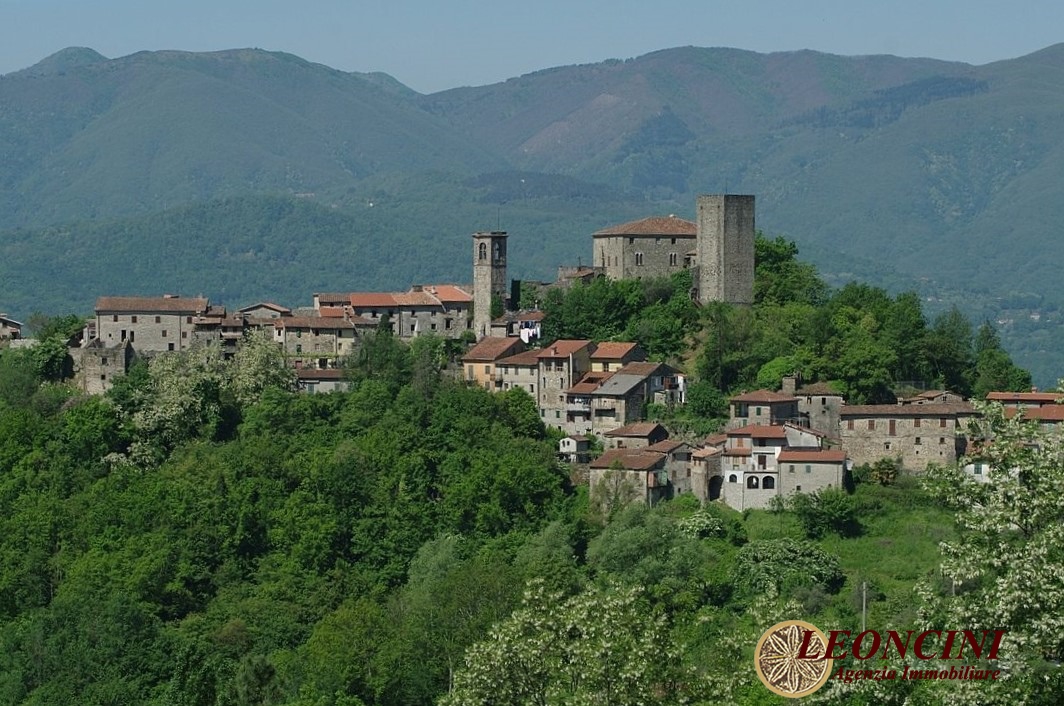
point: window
(299, 348)
(849, 424)
(942, 422)
(433, 327)
(482, 251)
(731, 478)
(757, 411)
(808, 468)
(133, 319)
(158, 319)
(487, 369)
(114, 318)
(674, 241)
(751, 482)
(871, 425)
(768, 483)
(798, 488)
(791, 468)
(978, 469)
(169, 346)
(188, 319)
(917, 441)
(893, 428)
(886, 446)
(631, 241)
(299, 334)
(103, 361)
(941, 439)
(672, 259)
(557, 415)
(103, 376)
(916, 423)
(447, 324)
(639, 258)
(184, 334)
(164, 333)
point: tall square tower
(489, 277)
(725, 248)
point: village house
(561, 364)
(480, 361)
(1025, 400)
(312, 380)
(10, 330)
(526, 325)
(150, 324)
(623, 476)
(818, 405)
(933, 397)
(264, 310)
(574, 448)
(316, 341)
(444, 309)
(520, 371)
(763, 407)
(611, 356)
(915, 434)
(677, 464)
(635, 436)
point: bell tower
(489, 277)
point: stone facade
(561, 365)
(802, 471)
(96, 365)
(314, 342)
(520, 371)
(916, 435)
(763, 407)
(652, 247)
(479, 362)
(489, 278)
(10, 330)
(725, 248)
(150, 324)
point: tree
(827, 510)
(258, 365)
(1002, 571)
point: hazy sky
(431, 45)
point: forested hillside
(204, 535)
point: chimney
(790, 384)
(417, 288)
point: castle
(718, 248)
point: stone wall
(726, 248)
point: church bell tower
(489, 277)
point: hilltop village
(801, 438)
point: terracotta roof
(825, 456)
(562, 349)
(629, 459)
(267, 305)
(705, 453)
(1045, 413)
(491, 349)
(740, 451)
(527, 358)
(645, 369)
(760, 431)
(413, 298)
(1043, 397)
(764, 396)
(333, 297)
(371, 299)
(666, 447)
(715, 439)
(613, 350)
(582, 388)
(639, 429)
(655, 225)
(907, 410)
(320, 322)
(331, 312)
(449, 293)
(170, 305)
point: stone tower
(489, 277)
(725, 248)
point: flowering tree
(1005, 570)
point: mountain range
(247, 174)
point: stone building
(520, 371)
(315, 341)
(623, 476)
(763, 407)
(916, 434)
(489, 278)
(819, 406)
(96, 365)
(611, 356)
(10, 330)
(810, 470)
(439, 309)
(479, 362)
(150, 324)
(725, 248)
(561, 364)
(1024, 400)
(651, 247)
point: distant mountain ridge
(918, 173)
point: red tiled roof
(1043, 397)
(449, 293)
(763, 396)
(740, 451)
(629, 459)
(760, 431)
(705, 453)
(582, 388)
(331, 311)
(333, 297)
(826, 456)
(562, 349)
(413, 298)
(492, 349)
(1045, 413)
(907, 410)
(655, 225)
(667, 446)
(267, 305)
(371, 299)
(715, 439)
(527, 358)
(320, 374)
(639, 429)
(170, 305)
(613, 350)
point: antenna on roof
(498, 220)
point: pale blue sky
(432, 45)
